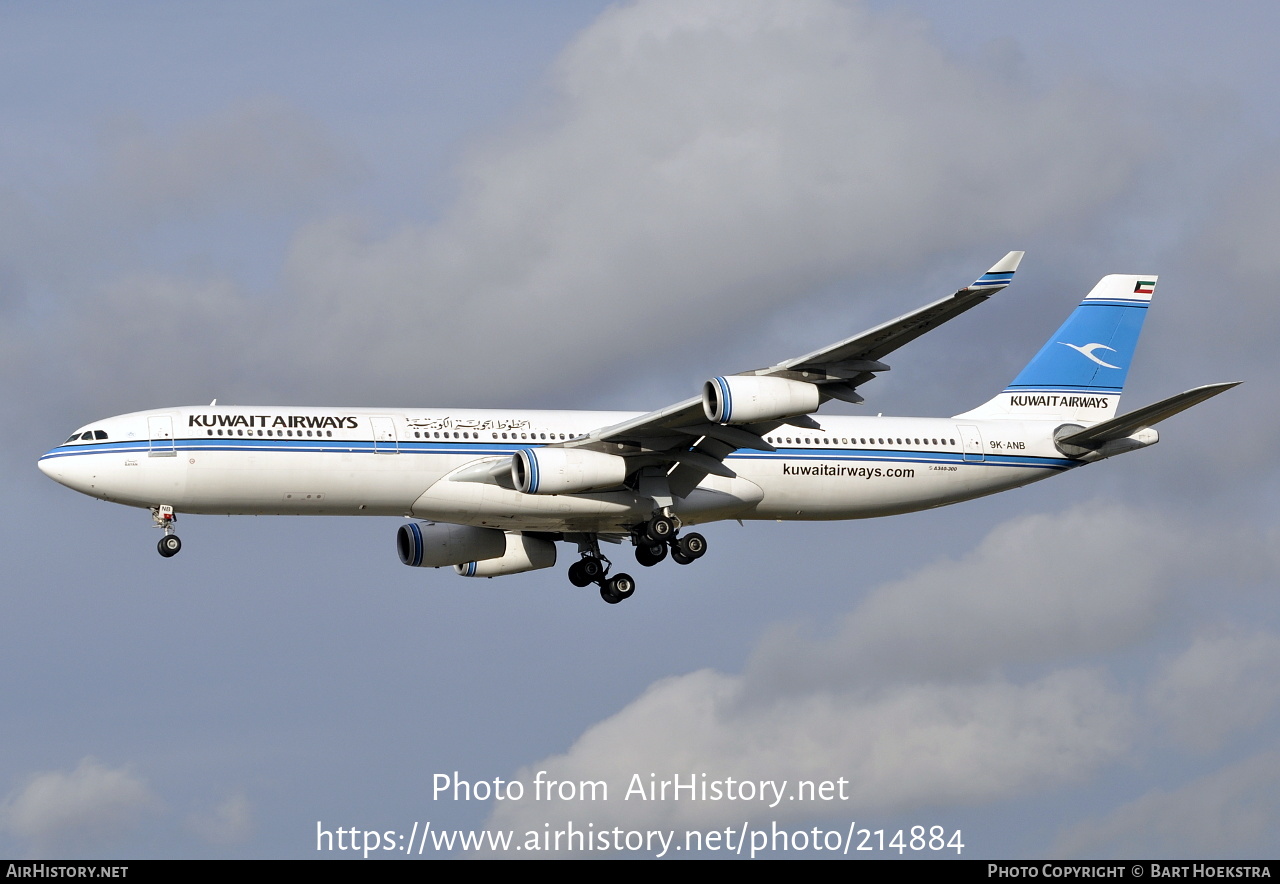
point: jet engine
(566, 470)
(424, 545)
(744, 399)
(523, 554)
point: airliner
(491, 492)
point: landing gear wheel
(649, 554)
(693, 546)
(584, 572)
(169, 545)
(619, 587)
(679, 557)
(660, 529)
(576, 577)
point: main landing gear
(658, 535)
(164, 517)
(653, 541)
(593, 567)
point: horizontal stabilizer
(1128, 424)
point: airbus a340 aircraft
(496, 490)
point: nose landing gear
(163, 516)
(169, 545)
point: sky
(599, 205)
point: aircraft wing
(842, 367)
(681, 435)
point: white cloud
(905, 698)
(1037, 589)
(699, 163)
(59, 812)
(696, 165)
(922, 696)
(923, 744)
(1221, 685)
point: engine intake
(424, 545)
(745, 399)
(566, 470)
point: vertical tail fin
(1080, 372)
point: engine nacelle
(423, 545)
(744, 399)
(523, 554)
(565, 470)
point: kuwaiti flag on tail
(1145, 287)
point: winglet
(1001, 274)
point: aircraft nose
(62, 470)
(46, 466)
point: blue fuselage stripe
(483, 449)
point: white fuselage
(424, 463)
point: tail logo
(1088, 352)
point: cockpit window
(86, 436)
